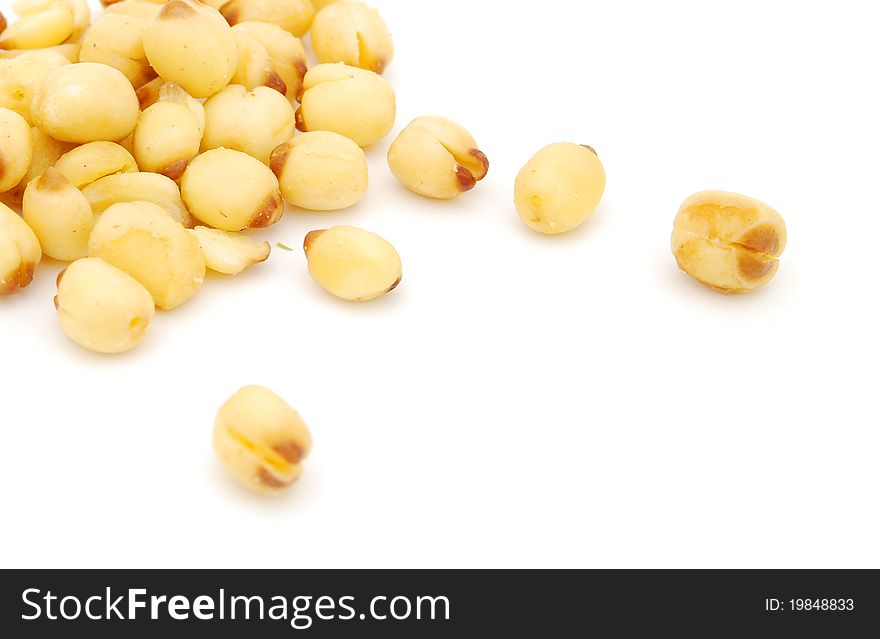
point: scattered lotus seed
(294, 16)
(269, 116)
(190, 43)
(90, 162)
(437, 158)
(117, 41)
(287, 56)
(16, 149)
(86, 102)
(142, 240)
(352, 32)
(352, 264)
(41, 23)
(102, 308)
(729, 242)
(229, 253)
(321, 171)
(559, 188)
(138, 187)
(260, 440)
(21, 76)
(59, 215)
(231, 191)
(353, 102)
(166, 138)
(20, 252)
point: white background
(520, 400)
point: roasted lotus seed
(16, 149)
(21, 76)
(269, 117)
(353, 102)
(117, 40)
(20, 252)
(321, 171)
(437, 158)
(352, 264)
(286, 55)
(102, 308)
(166, 138)
(230, 253)
(41, 23)
(142, 240)
(352, 32)
(231, 191)
(294, 16)
(91, 162)
(59, 215)
(260, 440)
(86, 102)
(729, 242)
(559, 188)
(191, 44)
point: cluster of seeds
(140, 146)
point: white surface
(520, 400)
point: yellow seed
(166, 138)
(321, 171)
(231, 191)
(353, 102)
(86, 102)
(191, 44)
(253, 122)
(729, 242)
(230, 253)
(287, 56)
(173, 92)
(255, 67)
(352, 32)
(90, 162)
(437, 158)
(16, 149)
(260, 440)
(138, 187)
(21, 76)
(294, 16)
(59, 215)
(20, 252)
(143, 9)
(41, 23)
(142, 240)
(47, 151)
(102, 308)
(352, 264)
(559, 188)
(117, 40)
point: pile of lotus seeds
(139, 146)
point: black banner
(422, 603)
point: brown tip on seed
(466, 179)
(175, 169)
(17, 280)
(52, 180)
(380, 65)
(300, 120)
(290, 451)
(230, 12)
(482, 159)
(270, 480)
(591, 149)
(274, 81)
(107, 3)
(762, 239)
(753, 267)
(176, 9)
(2, 23)
(301, 67)
(268, 212)
(396, 284)
(311, 238)
(2, 166)
(278, 158)
(60, 277)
